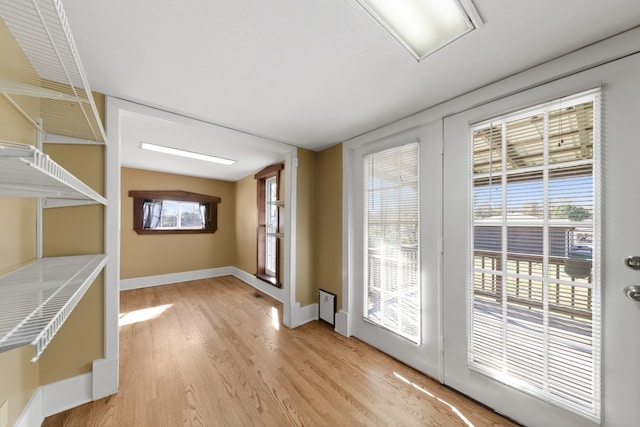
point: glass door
(523, 296)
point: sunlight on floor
(428, 393)
(142, 315)
(275, 318)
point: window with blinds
(271, 225)
(534, 294)
(391, 230)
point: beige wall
(245, 257)
(306, 281)
(17, 232)
(69, 231)
(328, 223)
(149, 255)
(319, 224)
(19, 380)
(79, 341)
(18, 377)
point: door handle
(633, 262)
(632, 292)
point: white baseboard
(67, 394)
(302, 315)
(166, 279)
(32, 415)
(342, 323)
(105, 378)
(56, 397)
(250, 279)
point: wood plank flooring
(214, 353)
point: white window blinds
(392, 288)
(534, 291)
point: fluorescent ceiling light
(423, 26)
(184, 153)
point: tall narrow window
(271, 224)
(534, 291)
(392, 288)
(269, 233)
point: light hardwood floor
(214, 353)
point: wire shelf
(36, 300)
(25, 171)
(50, 72)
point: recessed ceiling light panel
(424, 26)
(185, 153)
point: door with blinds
(534, 294)
(523, 258)
(397, 300)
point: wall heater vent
(327, 307)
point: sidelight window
(391, 230)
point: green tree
(578, 213)
(571, 212)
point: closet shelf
(37, 299)
(25, 171)
(47, 83)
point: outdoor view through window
(174, 212)
(170, 214)
(534, 297)
(391, 240)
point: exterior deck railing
(567, 296)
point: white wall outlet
(4, 414)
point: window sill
(269, 279)
(176, 231)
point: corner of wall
(343, 326)
(301, 315)
(32, 415)
(105, 378)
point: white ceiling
(305, 73)
(144, 124)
